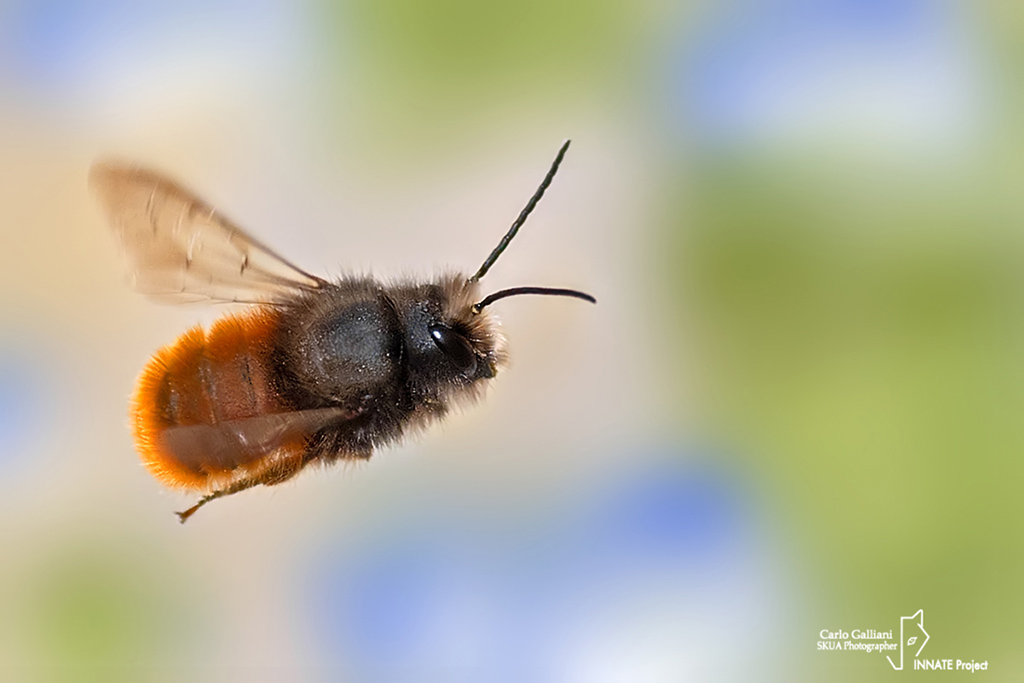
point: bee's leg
(183, 516)
(282, 471)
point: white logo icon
(911, 630)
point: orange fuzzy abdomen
(205, 378)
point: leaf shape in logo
(912, 640)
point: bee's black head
(451, 341)
(449, 346)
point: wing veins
(187, 250)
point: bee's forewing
(228, 445)
(179, 249)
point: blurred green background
(795, 407)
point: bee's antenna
(522, 216)
(551, 291)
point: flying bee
(314, 371)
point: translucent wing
(238, 454)
(180, 249)
(232, 444)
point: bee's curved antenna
(522, 215)
(515, 291)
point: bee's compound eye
(456, 347)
